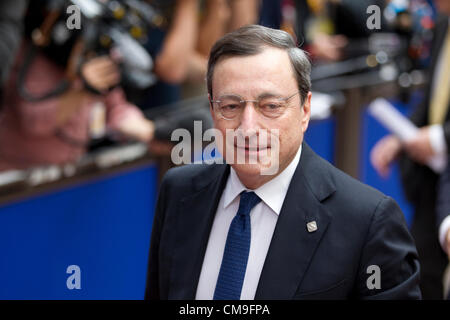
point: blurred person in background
(419, 182)
(174, 50)
(53, 107)
(181, 48)
(221, 16)
(11, 14)
(317, 30)
(217, 17)
(330, 30)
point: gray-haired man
(306, 231)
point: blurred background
(91, 91)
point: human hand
(384, 153)
(419, 148)
(137, 127)
(101, 73)
(143, 130)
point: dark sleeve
(420, 115)
(415, 177)
(390, 247)
(152, 290)
(412, 173)
(446, 127)
(443, 197)
(11, 15)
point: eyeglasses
(231, 107)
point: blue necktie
(237, 247)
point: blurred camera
(121, 28)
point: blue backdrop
(320, 137)
(372, 131)
(101, 226)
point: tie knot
(247, 202)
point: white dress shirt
(263, 219)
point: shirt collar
(272, 193)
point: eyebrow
(259, 97)
(269, 95)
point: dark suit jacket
(419, 183)
(357, 227)
(443, 201)
(443, 198)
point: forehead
(267, 71)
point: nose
(249, 117)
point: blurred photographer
(58, 99)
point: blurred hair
(253, 39)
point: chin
(253, 171)
(247, 169)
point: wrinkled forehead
(269, 69)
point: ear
(306, 112)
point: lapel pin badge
(311, 226)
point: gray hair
(251, 40)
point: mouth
(249, 149)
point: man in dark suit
(419, 182)
(304, 230)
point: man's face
(443, 6)
(268, 73)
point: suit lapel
(194, 221)
(292, 245)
